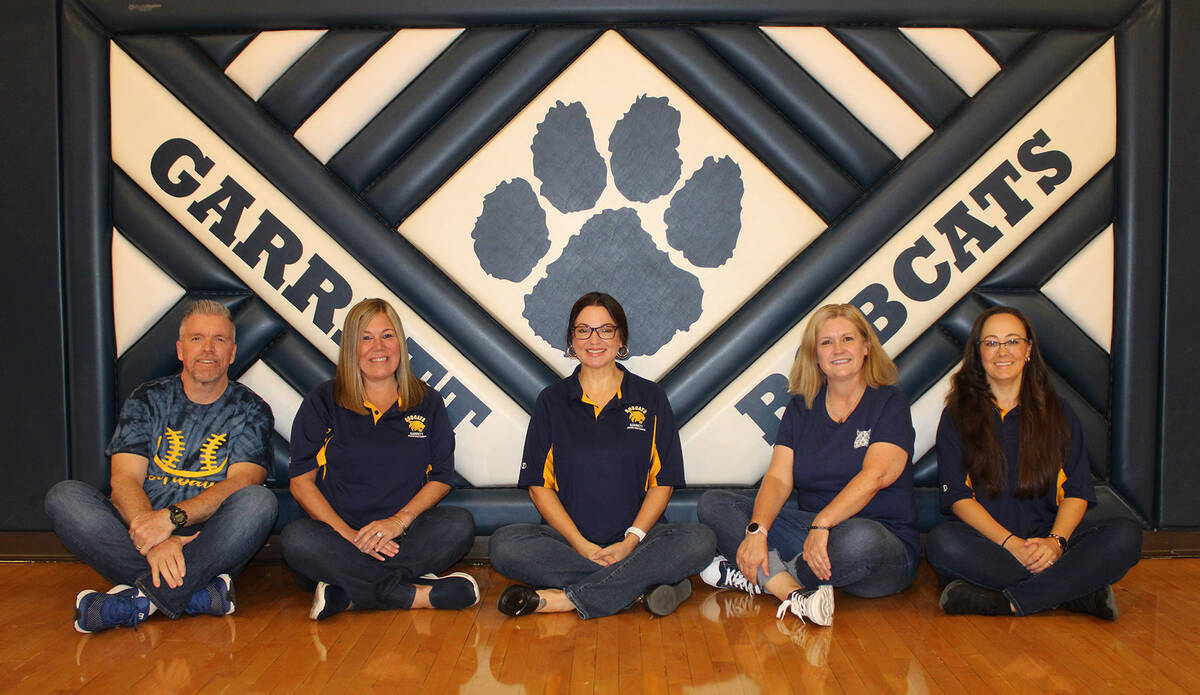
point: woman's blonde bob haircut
(348, 390)
(806, 377)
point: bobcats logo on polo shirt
(637, 416)
(416, 426)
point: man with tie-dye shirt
(188, 510)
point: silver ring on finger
(379, 534)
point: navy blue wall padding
(87, 252)
(1068, 230)
(425, 100)
(235, 118)
(912, 75)
(519, 78)
(1153, 450)
(755, 123)
(767, 316)
(158, 235)
(35, 405)
(1094, 425)
(925, 472)
(926, 360)
(298, 363)
(764, 66)
(257, 326)
(1180, 452)
(1003, 44)
(1137, 312)
(318, 73)
(223, 48)
(219, 15)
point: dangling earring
(570, 352)
(623, 352)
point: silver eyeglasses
(992, 344)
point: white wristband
(641, 535)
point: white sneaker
(724, 574)
(814, 604)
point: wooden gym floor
(717, 642)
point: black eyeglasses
(583, 332)
(992, 345)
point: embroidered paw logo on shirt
(416, 426)
(612, 250)
(862, 438)
(637, 416)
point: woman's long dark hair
(1044, 435)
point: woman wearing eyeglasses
(601, 459)
(1015, 472)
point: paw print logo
(612, 251)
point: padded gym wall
(722, 169)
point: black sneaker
(961, 598)
(665, 598)
(1101, 603)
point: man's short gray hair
(208, 307)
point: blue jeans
(866, 558)
(437, 539)
(91, 528)
(537, 554)
(1099, 553)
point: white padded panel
(145, 116)
(142, 292)
(283, 399)
(958, 55)
(1083, 288)
(268, 56)
(926, 413)
(370, 88)
(607, 79)
(844, 76)
(1079, 118)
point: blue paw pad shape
(644, 144)
(612, 252)
(565, 159)
(510, 234)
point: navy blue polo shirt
(370, 465)
(1027, 518)
(602, 462)
(827, 454)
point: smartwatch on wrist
(178, 516)
(754, 527)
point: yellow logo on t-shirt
(637, 416)
(416, 426)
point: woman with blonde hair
(845, 447)
(372, 453)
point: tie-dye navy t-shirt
(190, 446)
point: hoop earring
(570, 352)
(623, 352)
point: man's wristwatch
(754, 527)
(178, 516)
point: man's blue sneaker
(122, 605)
(328, 600)
(214, 599)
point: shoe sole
(823, 601)
(665, 598)
(318, 603)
